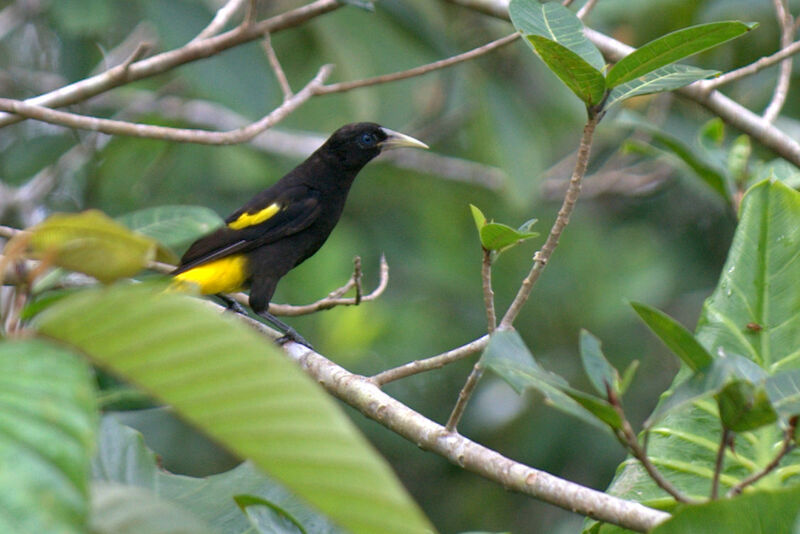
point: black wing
(297, 208)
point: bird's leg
(289, 333)
(231, 304)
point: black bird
(285, 224)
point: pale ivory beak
(397, 140)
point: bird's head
(354, 145)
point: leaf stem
(787, 446)
(723, 443)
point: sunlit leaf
(497, 236)
(92, 243)
(477, 215)
(233, 384)
(47, 425)
(673, 47)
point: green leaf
(675, 336)
(784, 393)
(553, 21)
(673, 47)
(600, 408)
(264, 407)
(602, 374)
(582, 78)
(744, 406)
(92, 243)
(758, 285)
(739, 158)
(507, 355)
(723, 371)
(118, 509)
(47, 425)
(267, 517)
(627, 376)
(712, 133)
(123, 458)
(496, 236)
(173, 226)
(660, 80)
(762, 512)
(477, 215)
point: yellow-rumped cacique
(284, 225)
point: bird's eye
(367, 140)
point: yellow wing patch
(224, 275)
(251, 219)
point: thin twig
(274, 62)
(166, 61)
(429, 364)
(541, 258)
(220, 20)
(627, 437)
(787, 446)
(488, 293)
(357, 279)
(753, 68)
(183, 135)
(718, 463)
(786, 24)
(418, 71)
(463, 396)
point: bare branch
(160, 63)
(786, 24)
(429, 364)
(220, 20)
(752, 68)
(718, 462)
(488, 293)
(586, 9)
(464, 395)
(184, 135)
(418, 71)
(266, 43)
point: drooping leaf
(673, 47)
(705, 170)
(173, 226)
(92, 243)
(264, 407)
(124, 459)
(582, 78)
(601, 373)
(660, 80)
(773, 511)
(675, 336)
(47, 425)
(553, 21)
(507, 355)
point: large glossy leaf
(47, 425)
(92, 243)
(173, 226)
(763, 512)
(553, 21)
(660, 80)
(242, 391)
(673, 47)
(758, 285)
(582, 78)
(123, 459)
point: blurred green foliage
(663, 245)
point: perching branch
(754, 67)
(182, 135)
(222, 17)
